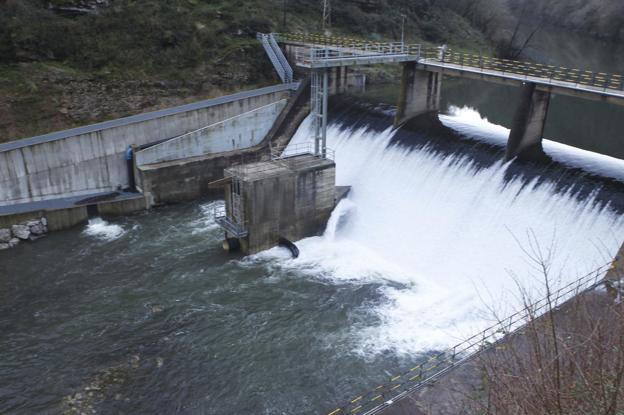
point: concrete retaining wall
(239, 132)
(64, 218)
(91, 159)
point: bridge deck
(554, 84)
(315, 52)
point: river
(146, 314)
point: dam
(144, 312)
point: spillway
(147, 314)
(448, 236)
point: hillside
(65, 63)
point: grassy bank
(66, 63)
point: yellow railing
(482, 63)
(528, 69)
(400, 385)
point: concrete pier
(288, 198)
(525, 138)
(420, 93)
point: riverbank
(61, 70)
(567, 358)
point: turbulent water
(146, 314)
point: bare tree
(566, 360)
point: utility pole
(326, 23)
(403, 29)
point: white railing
(316, 53)
(272, 56)
(237, 230)
(294, 150)
(288, 72)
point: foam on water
(442, 240)
(470, 123)
(206, 221)
(100, 229)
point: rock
(5, 235)
(32, 223)
(33, 237)
(37, 229)
(4, 246)
(14, 242)
(21, 231)
(44, 222)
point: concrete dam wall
(90, 159)
(236, 133)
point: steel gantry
(318, 105)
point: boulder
(44, 222)
(5, 235)
(4, 246)
(21, 231)
(14, 242)
(37, 229)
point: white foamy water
(470, 123)
(100, 229)
(206, 222)
(443, 240)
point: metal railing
(368, 50)
(293, 150)
(526, 70)
(281, 72)
(237, 230)
(340, 47)
(400, 386)
(288, 72)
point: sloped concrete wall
(239, 132)
(91, 159)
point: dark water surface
(590, 125)
(146, 314)
(160, 320)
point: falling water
(448, 240)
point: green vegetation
(65, 63)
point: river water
(146, 314)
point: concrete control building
(290, 197)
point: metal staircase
(275, 54)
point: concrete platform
(266, 169)
(68, 202)
(63, 213)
